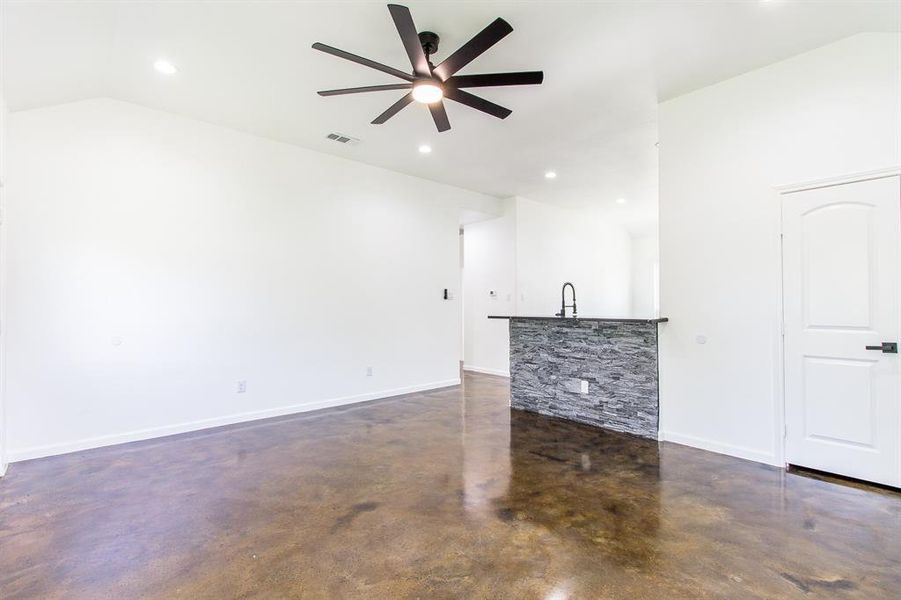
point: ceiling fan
(428, 83)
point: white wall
(554, 245)
(525, 256)
(489, 264)
(643, 272)
(154, 261)
(825, 113)
(4, 115)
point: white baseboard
(720, 448)
(156, 432)
(486, 371)
(3, 467)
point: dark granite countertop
(581, 318)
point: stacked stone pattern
(550, 358)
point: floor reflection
(598, 486)
(486, 450)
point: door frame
(784, 192)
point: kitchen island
(594, 370)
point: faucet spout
(563, 304)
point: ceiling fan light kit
(429, 84)
(427, 91)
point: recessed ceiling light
(425, 149)
(620, 200)
(550, 175)
(165, 67)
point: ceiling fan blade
(496, 79)
(362, 61)
(471, 49)
(477, 103)
(403, 20)
(368, 88)
(439, 115)
(393, 109)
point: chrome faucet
(563, 304)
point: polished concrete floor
(444, 494)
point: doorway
(841, 265)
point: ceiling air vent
(343, 139)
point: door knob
(886, 347)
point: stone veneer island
(550, 357)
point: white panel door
(841, 258)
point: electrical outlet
(368, 371)
(242, 386)
(583, 386)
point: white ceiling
(249, 65)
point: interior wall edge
(767, 458)
(178, 428)
(486, 370)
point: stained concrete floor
(445, 494)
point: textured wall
(618, 360)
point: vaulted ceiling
(249, 65)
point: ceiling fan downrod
(429, 41)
